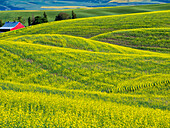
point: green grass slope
(154, 39)
(120, 10)
(67, 41)
(81, 13)
(32, 109)
(141, 97)
(53, 80)
(88, 27)
(16, 69)
(84, 70)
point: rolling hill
(39, 81)
(51, 76)
(154, 39)
(82, 13)
(64, 64)
(67, 41)
(89, 27)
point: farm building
(10, 26)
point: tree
(29, 21)
(33, 19)
(38, 20)
(62, 16)
(1, 23)
(45, 15)
(73, 15)
(45, 20)
(20, 19)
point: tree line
(43, 19)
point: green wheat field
(108, 71)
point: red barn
(10, 26)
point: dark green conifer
(29, 21)
(45, 19)
(73, 15)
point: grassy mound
(155, 39)
(67, 41)
(73, 42)
(89, 27)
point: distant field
(154, 39)
(11, 15)
(63, 7)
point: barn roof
(9, 25)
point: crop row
(27, 109)
(139, 38)
(78, 69)
(140, 86)
(156, 93)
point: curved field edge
(145, 81)
(72, 42)
(89, 27)
(67, 41)
(106, 73)
(154, 39)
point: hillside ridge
(96, 25)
